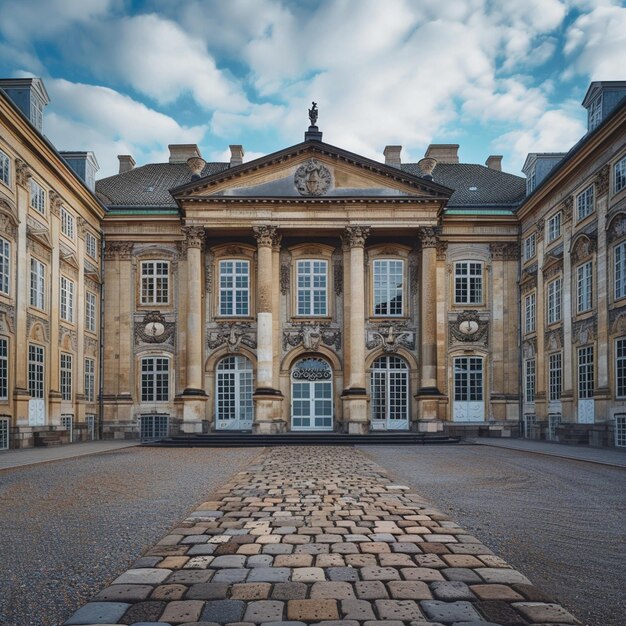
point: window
(619, 175)
(468, 283)
(37, 284)
(155, 277)
(4, 433)
(554, 301)
(91, 245)
(35, 371)
(37, 197)
(585, 372)
(36, 113)
(594, 113)
(234, 406)
(554, 376)
(584, 287)
(5, 169)
(529, 380)
(531, 182)
(67, 422)
(153, 426)
(388, 286)
(620, 368)
(66, 376)
(155, 379)
(234, 287)
(312, 281)
(389, 388)
(584, 203)
(90, 311)
(4, 368)
(67, 299)
(620, 430)
(67, 223)
(530, 310)
(620, 271)
(91, 426)
(530, 247)
(554, 227)
(5, 266)
(90, 380)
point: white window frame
(4, 368)
(155, 282)
(619, 175)
(468, 282)
(312, 287)
(65, 376)
(620, 367)
(66, 295)
(530, 312)
(234, 288)
(36, 371)
(37, 284)
(619, 270)
(90, 311)
(555, 376)
(530, 246)
(91, 245)
(586, 377)
(90, 418)
(554, 301)
(530, 380)
(620, 430)
(5, 168)
(68, 223)
(531, 182)
(5, 266)
(4, 433)
(37, 197)
(554, 227)
(154, 379)
(585, 203)
(594, 113)
(90, 380)
(584, 287)
(384, 292)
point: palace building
(314, 289)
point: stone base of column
(194, 411)
(428, 401)
(268, 412)
(429, 426)
(269, 427)
(54, 403)
(355, 411)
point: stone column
(53, 364)
(194, 395)
(355, 397)
(541, 362)
(428, 396)
(267, 397)
(568, 309)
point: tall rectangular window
(594, 113)
(530, 312)
(5, 266)
(155, 379)
(468, 282)
(554, 376)
(312, 280)
(554, 301)
(554, 227)
(5, 169)
(530, 247)
(67, 223)
(620, 368)
(388, 287)
(619, 175)
(584, 287)
(529, 380)
(35, 371)
(584, 203)
(585, 372)
(620, 270)
(155, 282)
(4, 368)
(37, 197)
(67, 300)
(37, 284)
(90, 311)
(234, 287)
(91, 245)
(90, 380)
(66, 376)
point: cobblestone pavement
(320, 536)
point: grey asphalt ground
(68, 528)
(560, 522)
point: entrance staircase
(249, 440)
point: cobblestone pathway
(320, 536)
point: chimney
(494, 162)
(236, 155)
(182, 152)
(392, 156)
(127, 163)
(443, 152)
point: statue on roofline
(313, 114)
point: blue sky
(495, 76)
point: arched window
(234, 407)
(389, 388)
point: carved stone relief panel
(583, 248)
(68, 336)
(154, 328)
(232, 335)
(39, 326)
(553, 340)
(468, 327)
(617, 227)
(8, 225)
(311, 335)
(617, 320)
(312, 178)
(391, 336)
(529, 348)
(7, 317)
(90, 346)
(584, 331)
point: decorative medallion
(154, 329)
(312, 178)
(469, 328)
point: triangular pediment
(312, 171)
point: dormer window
(594, 115)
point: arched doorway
(389, 390)
(234, 408)
(311, 395)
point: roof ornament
(313, 134)
(313, 114)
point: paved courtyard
(319, 535)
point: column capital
(355, 236)
(194, 236)
(265, 235)
(55, 203)
(428, 237)
(118, 249)
(22, 172)
(276, 239)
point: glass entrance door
(311, 395)
(469, 403)
(234, 408)
(389, 390)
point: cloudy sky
(495, 76)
